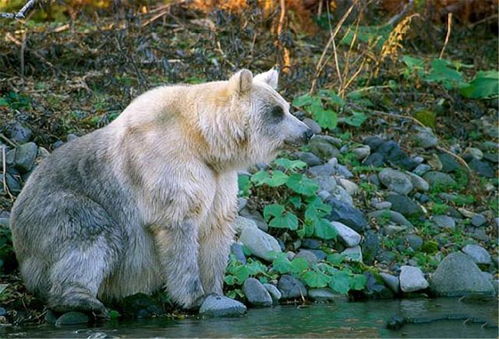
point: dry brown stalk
(447, 36)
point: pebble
(346, 214)
(237, 250)
(478, 254)
(412, 279)
(478, 220)
(393, 216)
(414, 241)
(438, 178)
(421, 169)
(313, 125)
(404, 205)
(291, 288)
(220, 306)
(353, 253)
(391, 281)
(482, 167)
(362, 152)
(259, 243)
(350, 187)
(381, 205)
(444, 221)
(307, 255)
(347, 235)
(274, 292)
(396, 181)
(309, 158)
(17, 132)
(256, 293)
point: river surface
(364, 319)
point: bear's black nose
(308, 134)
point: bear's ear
(270, 77)
(241, 82)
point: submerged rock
(458, 275)
(72, 318)
(220, 306)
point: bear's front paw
(191, 297)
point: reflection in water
(346, 320)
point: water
(342, 319)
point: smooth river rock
(412, 279)
(220, 306)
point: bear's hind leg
(87, 253)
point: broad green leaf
(273, 210)
(241, 273)
(326, 118)
(302, 185)
(413, 63)
(358, 282)
(355, 120)
(295, 201)
(244, 185)
(299, 265)
(287, 220)
(340, 282)
(3, 102)
(335, 259)
(290, 164)
(278, 178)
(324, 230)
(282, 265)
(442, 72)
(230, 280)
(484, 85)
(331, 96)
(260, 177)
(113, 314)
(304, 100)
(316, 279)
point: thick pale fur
(148, 200)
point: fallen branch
(22, 12)
(399, 16)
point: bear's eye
(277, 112)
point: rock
(99, 335)
(458, 275)
(141, 306)
(322, 294)
(241, 203)
(373, 179)
(412, 279)
(370, 247)
(375, 160)
(25, 156)
(419, 183)
(256, 293)
(373, 142)
(237, 250)
(274, 292)
(13, 184)
(341, 194)
(319, 254)
(435, 162)
(421, 169)
(322, 147)
(347, 235)
(381, 205)
(346, 214)
(393, 216)
(259, 243)
(482, 167)
(362, 152)
(72, 318)
(310, 243)
(339, 170)
(255, 216)
(307, 255)
(17, 132)
(220, 306)
(291, 287)
(404, 205)
(391, 281)
(240, 223)
(350, 187)
(478, 254)
(439, 179)
(3, 312)
(472, 153)
(425, 138)
(4, 222)
(444, 221)
(415, 241)
(325, 170)
(478, 220)
(353, 254)
(309, 158)
(395, 181)
(314, 126)
(376, 289)
(449, 163)
(326, 183)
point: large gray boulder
(458, 275)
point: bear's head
(253, 121)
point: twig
(320, 64)
(483, 20)
(22, 12)
(4, 174)
(282, 17)
(447, 36)
(395, 19)
(7, 140)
